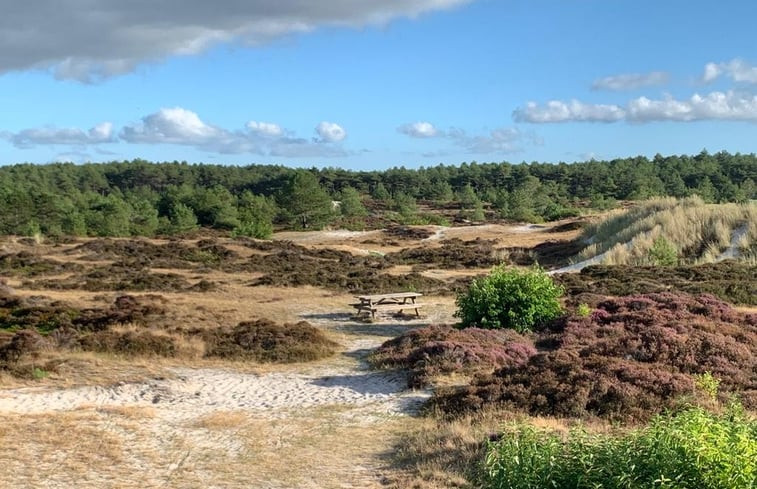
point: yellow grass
(700, 232)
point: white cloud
(181, 126)
(88, 40)
(737, 70)
(330, 132)
(500, 140)
(558, 111)
(729, 106)
(711, 72)
(265, 128)
(630, 81)
(418, 130)
(29, 138)
(725, 106)
(173, 126)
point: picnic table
(397, 301)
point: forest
(142, 198)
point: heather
(266, 341)
(730, 281)
(631, 358)
(438, 350)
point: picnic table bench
(398, 301)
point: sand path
(191, 393)
(211, 427)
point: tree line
(140, 198)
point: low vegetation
(267, 342)
(138, 326)
(670, 231)
(690, 449)
(631, 358)
(434, 351)
(729, 280)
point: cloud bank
(500, 140)
(723, 106)
(183, 127)
(88, 40)
(737, 70)
(49, 135)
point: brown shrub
(436, 350)
(117, 276)
(132, 309)
(266, 341)
(633, 357)
(141, 253)
(729, 280)
(409, 233)
(28, 264)
(24, 343)
(336, 270)
(48, 316)
(130, 342)
(453, 254)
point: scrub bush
(510, 298)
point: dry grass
(699, 232)
(115, 448)
(437, 453)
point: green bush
(583, 310)
(510, 298)
(663, 253)
(691, 450)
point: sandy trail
(191, 393)
(212, 427)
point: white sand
(197, 392)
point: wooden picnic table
(397, 301)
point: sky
(369, 85)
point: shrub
(266, 341)
(131, 342)
(510, 298)
(688, 450)
(437, 350)
(663, 253)
(583, 310)
(632, 358)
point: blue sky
(367, 84)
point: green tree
(181, 219)
(306, 204)
(380, 192)
(256, 214)
(468, 198)
(663, 253)
(215, 207)
(351, 203)
(441, 191)
(510, 298)
(405, 205)
(108, 216)
(144, 218)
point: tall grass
(700, 232)
(694, 449)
